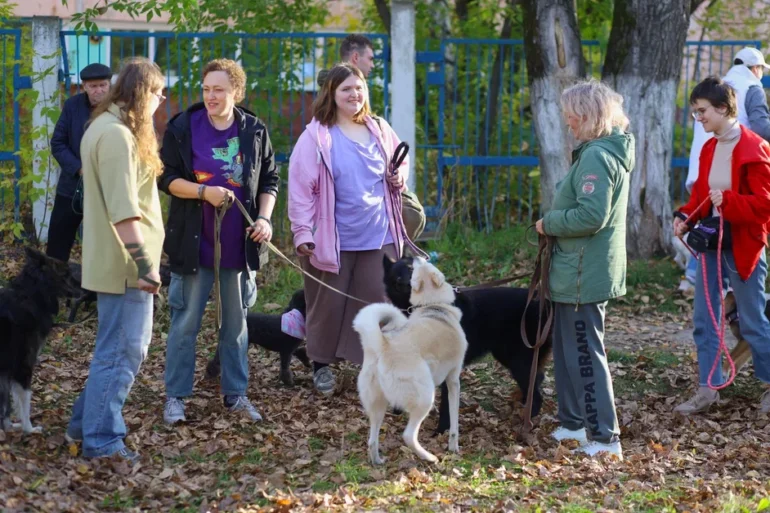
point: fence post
(46, 55)
(404, 94)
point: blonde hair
(137, 82)
(234, 72)
(599, 108)
(325, 107)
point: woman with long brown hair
(122, 240)
(342, 215)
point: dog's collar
(435, 306)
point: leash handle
(398, 156)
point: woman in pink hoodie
(342, 215)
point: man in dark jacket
(65, 146)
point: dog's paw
(377, 459)
(34, 430)
(431, 458)
(454, 444)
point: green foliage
(30, 182)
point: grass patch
(116, 501)
(353, 470)
(639, 372)
(324, 486)
(316, 444)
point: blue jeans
(122, 339)
(187, 297)
(692, 269)
(750, 298)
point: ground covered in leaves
(310, 452)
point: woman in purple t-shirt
(342, 215)
(212, 151)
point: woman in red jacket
(734, 182)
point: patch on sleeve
(588, 188)
(590, 177)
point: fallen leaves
(311, 452)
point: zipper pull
(318, 158)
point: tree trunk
(644, 66)
(554, 61)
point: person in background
(67, 213)
(342, 215)
(122, 241)
(588, 266)
(734, 177)
(745, 77)
(212, 151)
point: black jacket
(185, 216)
(65, 143)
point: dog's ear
(418, 284)
(33, 254)
(437, 278)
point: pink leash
(719, 327)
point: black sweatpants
(62, 229)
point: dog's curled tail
(372, 320)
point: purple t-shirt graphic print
(218, 162)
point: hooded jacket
(311, 192)
(588, 219)
(746, 206)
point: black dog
(86, 297)
(492, 324)
(27, 310)
(265, 331)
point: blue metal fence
(10, 130)
(281, 69)
(476, 158)
(477, 150)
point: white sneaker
(173, 411)
(700, 402)
(594, 448)
(563, 433)
(243, 404)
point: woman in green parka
(588, 265)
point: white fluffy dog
(406, 358)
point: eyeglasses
(160, 97)
(699, 113)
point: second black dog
(265, 331)
(492, 324)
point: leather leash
(539, 287)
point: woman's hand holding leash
(216, 195)
(680, 227)
(261, 230)
(396, 179)
(306, 249)
(539, 227)
(716, 197)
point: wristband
(266, 219)
(201, 191)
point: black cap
(96, 71)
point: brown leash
(539, 286)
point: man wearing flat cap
(65, 146)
